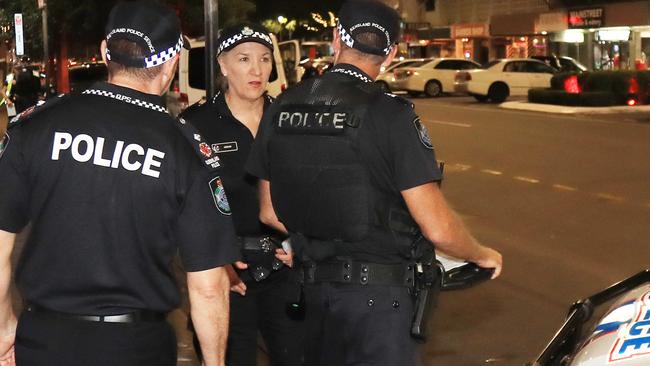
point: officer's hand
(9, 358)
(7, 339)
(490, 258)
(236, 284)
(286, 258)
(240, 265)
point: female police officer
(229, 123)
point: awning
(513, 24)
(435, 33)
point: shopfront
(472, 41)
(432, 42)
(609, 37)
(514, 36)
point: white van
(295, 52)
(190, 87)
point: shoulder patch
(401, 100)
(423, 133)
(201, 148)
(219, 196)
(35, 110)
(4, 142)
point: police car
(611, 327)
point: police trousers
(360, 325)
(265, 309)
(42, 339)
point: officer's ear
(336, 43)
(390, 57)
(102, 48)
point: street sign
(41, 4)
(18, 21)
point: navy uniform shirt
(113, 190)
(231, 140)
(393, 144)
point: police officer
(351, 172)
(264, 286)
(113, 188)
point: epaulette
(401, 100)
(35, 110)
(202, 149)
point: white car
(386, 77)
(503, 78)
(432, 78)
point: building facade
(602, 34)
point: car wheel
(498, 92)
(433, 88)
(480, 98)
(383, 85)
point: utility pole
(42, 4)
(211, 17)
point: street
(564, 198)
(566, 201)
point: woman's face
(247, 68)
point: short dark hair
(132, 50)
(369, 39)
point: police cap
(359, 17)
(241, 33)
(153, 26)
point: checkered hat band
(125, 99)
(349, 41)
(357, 75)
(345, 36)
(164, 56)
(240, 36)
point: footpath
(562, 109)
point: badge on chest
(225, 147)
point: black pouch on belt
(259, 254)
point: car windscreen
(319, 50)
(417, 63)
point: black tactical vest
(320, 186)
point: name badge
(224, 147)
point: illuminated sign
(470, 30)
(587, 18)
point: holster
(428, 275)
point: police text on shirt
(83, 148)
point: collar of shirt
(353, 71)
(219, 101)
(127, 95)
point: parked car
(386, 77)
(82, 76)
(503, 78)
(432, 78)
(562, 63)
(191, 76)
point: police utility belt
(130, 317)
(345, 270)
